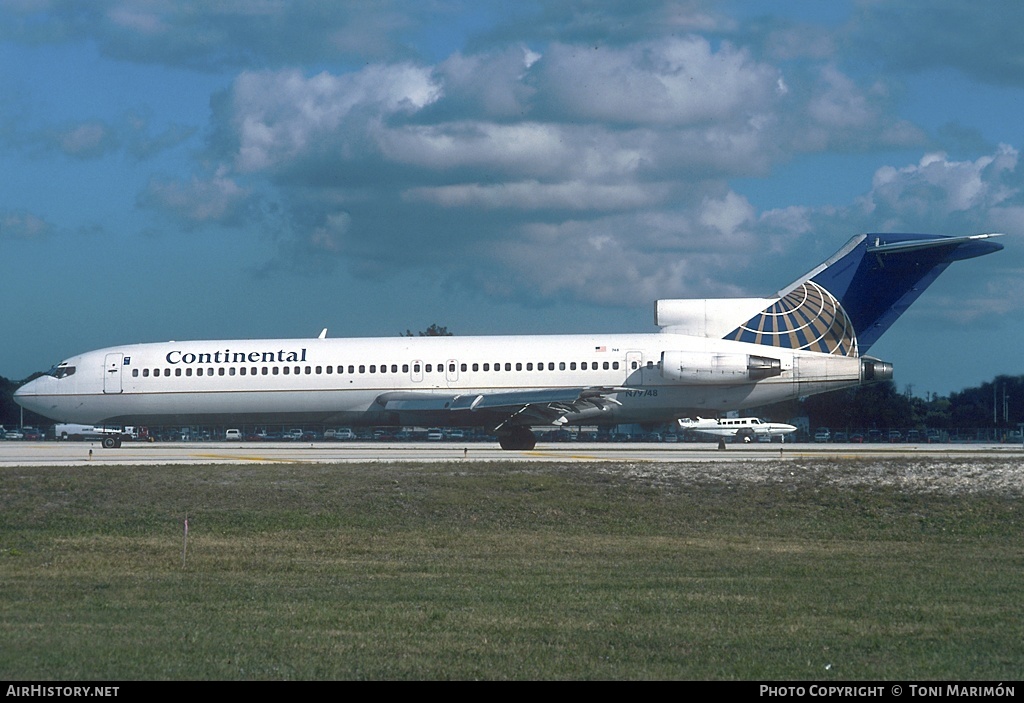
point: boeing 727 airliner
(710, 356)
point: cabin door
(112, 373)
(634, 368)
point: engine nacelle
(714, 367)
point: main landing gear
(521, 438)
(111, 442)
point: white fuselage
(348, 381)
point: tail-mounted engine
(872, 369)
(712, 367)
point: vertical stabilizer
(846, 303)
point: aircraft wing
(539, 406)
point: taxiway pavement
(162, 453)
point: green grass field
(503, 571)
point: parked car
(233, 435)
(823, 434)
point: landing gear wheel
(111, 442)
(518, 438)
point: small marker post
(184, 544)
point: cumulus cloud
(86, 140)
(937, 188)
(217, 200)
(615, 158)
(667, 82)
(20, 224)
(281, 116)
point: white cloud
(937, 185)
(197, 201)
(86, 140)
(667, 82)
(534, 195)
(283, 115)
(20, 224)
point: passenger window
(177, 372)
(405, 368)
(188, 372)
(275, 371)
(487, 367)
(561, 366)
(220, 371)
(362, 368)
(373, 368)
(285, 370)
(231, 371)
(551, 366)
(572, 365)
(508, 366)
(429, 368)
(529, 366)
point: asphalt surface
(22, 453)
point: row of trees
(996, 404)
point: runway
(51, 453)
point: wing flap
(535, 405)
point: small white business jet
(746, 429)
(710, 356)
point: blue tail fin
(845, 304)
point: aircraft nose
(26, 394)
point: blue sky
(176, 169)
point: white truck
(109, 437)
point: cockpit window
(61, 371)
